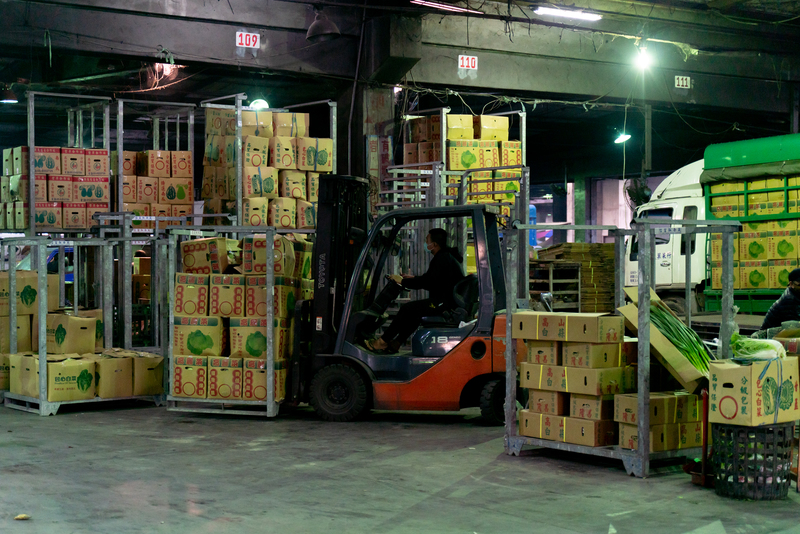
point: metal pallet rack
(41, 405)
(636, 462)
(554, 277)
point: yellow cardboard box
(255, 211)
(4, 372)
(70, 379)
(592, 355)
(574, 327)
(306, 215)
(114, 377)
(460, 127)
(191, 294)
(282, 153)
(314, 154)
(307, 289)
(478, 184)
(779, 272)
(257, 123)
(214, 151)
(754, 246)
(217, 120)
(292, 184)
(224, 378)
(282, 338)
(663, 408)
(662, 437)
(27, 291)
(191, 377)
(286, 292)
(248, 338)
(148, 374)
(18, 189)
(690, 435)
(205, 256)
(8, 163)
(762, 393)
(785, 224)
(282, 213)
(608, 381)
(254, 255)
(594, 407)
(290, 124)
(541, 425)
(23, 374)
(253, 178)
(147, 189)
(544, 352)
(256, 296)
(68, 334)
(716, 247)
(716, 275)
(21, 215)
(490, 127)
(227, 295)
(255, 379)
(589, 433)
(303, 250)
(312, 186)
(549, 402)
(727, 187)
(181, 164)
(754, 274)
(256, 151)
(175, 191)
(23, 334)
(96, 314)
(130, 194)
(783, 244)
(154, 163)
(198, 336)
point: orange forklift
(455, 360)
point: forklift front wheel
(338, 393)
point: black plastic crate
(753, 462)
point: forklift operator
(786, 308)
(444, 272)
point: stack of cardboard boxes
(71, 185)
(675, 421)
(220, 319)
(576, 363)
(280, 173)
(157, 183)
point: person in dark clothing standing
(444, 272)
(786, 308)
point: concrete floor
(135, 468)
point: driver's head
(794, 281)
(436, 240)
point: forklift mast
(342, 219)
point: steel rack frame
(636, 462)
(40, 405)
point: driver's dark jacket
(786, 308)
(444, 272)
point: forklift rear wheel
(493, 398)
(338, 393)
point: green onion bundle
(684, 339)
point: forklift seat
(465, 296)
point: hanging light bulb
(622, 138)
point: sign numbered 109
(247, 40)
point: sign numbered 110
(248, 40)
(468, 62)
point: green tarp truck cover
(769, 156)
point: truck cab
(679, 196)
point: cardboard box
(224, 378)
(175, 191)
(23, 335)
(314, 154)
(663, 409)
(181, 164)
(214, 151)
(181, 210)
(283, 256)
(286, 291)
(191, 377)
(282, 213)
(592, 355)
(96, 162)
(47, 160)
(255, 297)
(726, 211)
(198, 336)
(129, 189)
(90, 189)
(783, 244)
(114, 377)
(147, 189)
(225, 183)
(256, 151)
(716, 275)
(255, 211)
(727, 187)
(20, 160)
(687, 407)
(208, 185)
(21, 215)
(754, 274)
(91, 209)
(249, 338)
(74, 215)
(290, 124)
(690, 435)
(541, 425)
(576, 379)
(762, 393)
(23, 374)
(191, 294)
(205, 256)
(39, 188)
(778, 226)
(410, 153)
(128, 163)
(510, 153)
(306, 215)
(49, 214)
(592, 407)
(478, 184)
(508, 188)
(716, 247)
(221, 207)
(544, 352)
(8, 163)
(292, 184)
(254, 255)
(70, 379)
(11, 218)
(4, 372)
(729, 200)
(490, 127)
(460, 127)
(662, 437)
(18, 189)
(303, 251)
(258, 123)
(463, 155)
(590, 433)
(779, 272)
(282, 153)
(139, 210)
(148, 374)
(549, 402)
(217, 120)
(27, 293)
(282, 338)
(306, 289)
(5, 195)
(227, 295)
(68, 334)
(96, 314)
(255, 380)
(574, 327)
(253, 179)
(59, 188)
(154, 163)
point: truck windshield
(663, 239)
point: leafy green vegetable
(783, 278)
(769, 392)
(755, 249)
(171, 193)
(756, 349)
(757, 277)
(84, 380)
(197, 342)
(685, 340)
(468, 159)
(28, 296)
(511, 186)
(61, 334)
(98, 330)
(784, 248)
(256, 344)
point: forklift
(456, 360)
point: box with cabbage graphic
(68, 334)
(471, 154)
(782, 244)
(313, 154)
(198, 336)
(754, 274)
(754, 246)
(27, 291)
(70, 379)
(716, 247)
(190, 378)
(716, 275)
(259, 182)
(764, 392)
(303, 250)
(224, 378)
(510, 187)
(286, 293)
(779, 272)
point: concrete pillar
(581, 196)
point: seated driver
(444, 272)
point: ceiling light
(445, 7)
(622, 138)
(7, 96)
(397, 89)
(567, 14)
(259, 103)
(322, 29)
(643, 59)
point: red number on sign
(240, 40)
(474, 63)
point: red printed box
(95, 207)
(227, 296)
(191, 377)
(97, 162)
(225, 378)
(181, 164)
(255, 380)
(191, 294)
(256, 297)
(154, 163)
(74, 215)
(73, 161)
(90, 189)
(59, 188)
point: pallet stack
(597, 272)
